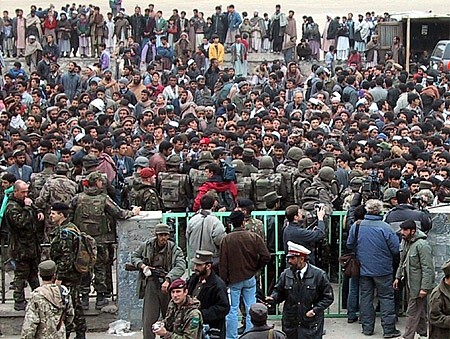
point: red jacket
(218, 186)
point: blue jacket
(376, 246)
(234, 21)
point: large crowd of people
(176, 128)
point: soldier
(21, 216)
(144, 193)
(50, 307)
(38, 180)
(389, 199)
(91, 210)
(176, 193)
(289, 171)
(160, 262)
(63, 251)
(324, 182)
(252, 224)
(307, 293)
(304, 180)
(258, 316)
(183, 318)
(248, 157)
(135, 179)
(356, 180)
(58, 189)
(198, 176)
(243, 183)
(266, 181)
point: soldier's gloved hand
(147, 271)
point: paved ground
(336, 329)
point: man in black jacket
(307, 293)
(207, 287)
(404, 210)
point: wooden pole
(408, 42)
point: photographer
(300, 233)
(405, 210)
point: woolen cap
(162, 229)
(47, 268)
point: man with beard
(417, 270)
(210, 290)
(160, 262)
(137, 86)
(19, 169)
(307, 293)
(258, 32)
(71, 82)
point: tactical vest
(198, 178)
(62, 190)
(264, 183)
(39, 181)
(172, 189)
(90, 214)
(244, 186)
(289, 174)
(299, 188)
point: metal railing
(334, 231)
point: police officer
(50, 307)
(160, 262)
(91, 210)
(260, 330)
(63, 251)
(183, 318)
(306, 292)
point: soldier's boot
(101, 301)
(85, 301)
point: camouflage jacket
(38, 181)
(175, 189)
(146, 197)
(44, 312)
(56, 189)
(289, 172)
(185, 321)
(63, 251)
(21, 223)
(255, 225)
(92, 208)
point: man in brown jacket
(242, 255)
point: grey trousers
(155, 304)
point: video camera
(371, 187)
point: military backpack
(86, 252)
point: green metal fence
(335, 232)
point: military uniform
(146, 197)
(289, 172)
(265, 181)
(184, 321)
(38, 181)
(49, 309)
(254, 225)
(63, 251)
(92, 208)
(24, 246)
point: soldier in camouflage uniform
(63, 251)
(266, 181)
(288, 169)
(176, 193)
(252, 224)
(304, 180)
(50, 307)
(135, 179)
(38, 180)
(91, 210)
(198, 176)
(243, 183)
(144, 193)
(57, 189)
(21, 216)
(183, 318)
(248, 157)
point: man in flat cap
(306, 292)
(183, 318)
(211, 291)
(50, 308)
(258, 315)
(439, 307)
(63, 250)
(160, 262)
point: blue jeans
(353, 298)
(385, 293)
(246, 288)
